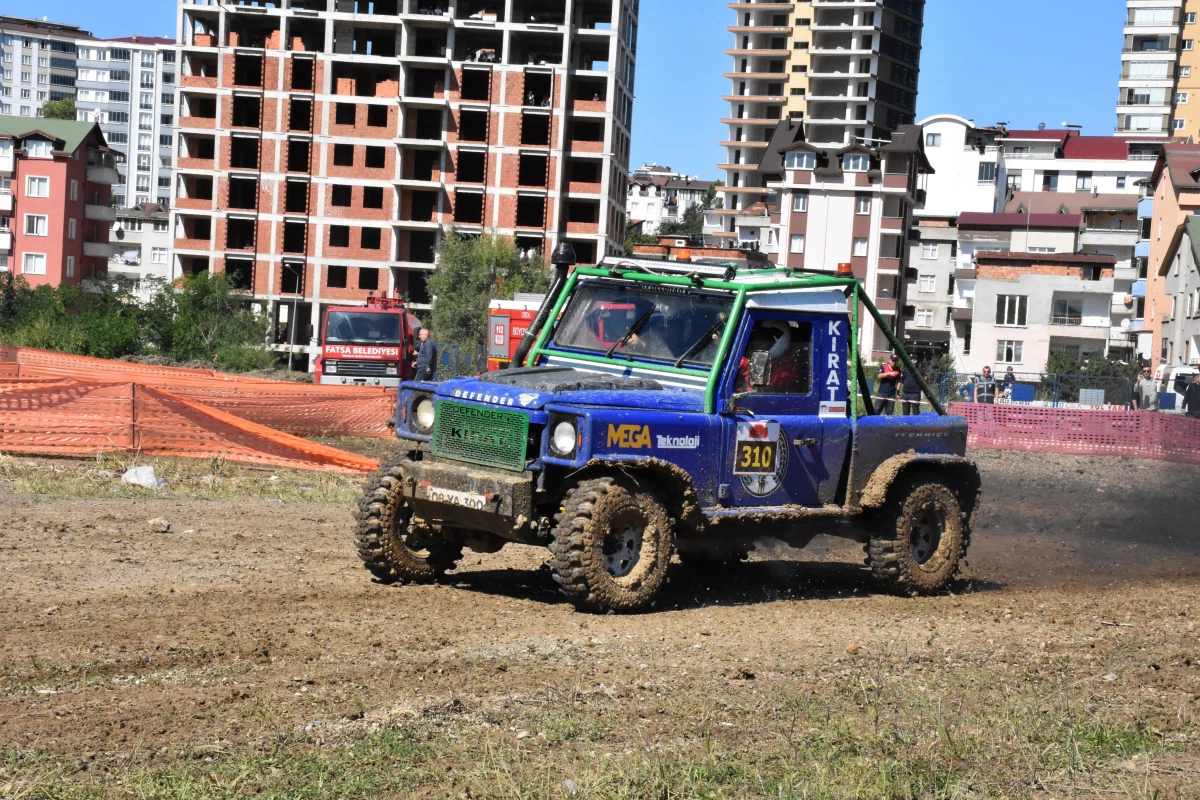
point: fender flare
(966, 482)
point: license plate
(453, 498)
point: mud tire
(920, 537)
(603, 510)
(383, 532)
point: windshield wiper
(633, 329)
(700, 343)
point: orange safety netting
(56, 403)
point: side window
(788, 345)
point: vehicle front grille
(494, 437)
(361, 369)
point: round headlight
(563, 438)
(423, 413)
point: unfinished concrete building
(325, 146)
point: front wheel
(612, 545)
(920, 536)
(391, 543)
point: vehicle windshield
(357, 327)
(671, 324)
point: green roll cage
(741, 291)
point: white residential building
(142, 239)
(1148, 66)
(37, 63)
(128, 86)
(657, 195)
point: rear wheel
(394, 545)
(920, 536)
(612, 545)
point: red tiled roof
(1114, 148)
(976, 219)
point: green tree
(205, 320)
(59, 109)
(635, 237)
(471, 271)
(690, 223)
(1091, 371)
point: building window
(800, 201)
(1067, 311)
(1188, 44)
(1011, 310)
(929, 250)
(799, 159)
(924, 318)
(1041, 249)
(860, 247)
(862, 205)
(987, 173)
(1178, 124)
(1120, 181)
(1185, 72)
(1083, 182)
(933, 140)
(1009, 352)
(35, 224)
(1181, 98)
(1189, 18)
(856, 162)
(37, 149)
(34, 264)
(71, 228)
(37, 186)
(797, 243)
(145, 141)
(927, 283)
(70, 266)
(1014, 181)
(158, 255)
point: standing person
(1191, 398)
(1145, 392)
(1008, 382)
(985, 387)
(426, 358)
(885, 398)
(910, 390)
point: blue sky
(1018, 61)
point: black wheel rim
(925, 541)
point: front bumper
(350, 380)
(468, 496)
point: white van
(1172, 382)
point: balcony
(6, 201)
(5, 240)
(1138, 289)
(98, 212)
(1126, 237)
(102, 168)
(6, 163)
(99, 249)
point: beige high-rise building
(1186, 115)
(847, 70)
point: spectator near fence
(1008, 382)
(426, 367)
(1145, 392)
(1191, 398)
(889, 375)
(910, 389)
(985, 387)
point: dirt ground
(246, 652)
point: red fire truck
(371, 346)
(507, 322)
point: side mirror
(760, 369)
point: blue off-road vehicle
(671, 408)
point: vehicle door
(772, 433)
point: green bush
(200, 319)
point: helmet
(783, 338)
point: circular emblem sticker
(764, 484)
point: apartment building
(37, 63)
(325, 147)
(853, 204)
(55, 182)
(127, 85)
(1037, 225)
(657, 195)
(1176, 186)
(1154, 38)
(1181, 284)
(1029, 305)
(141, 240)
(847, 71)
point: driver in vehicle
(775, 338)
